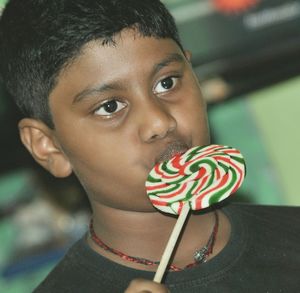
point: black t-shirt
(262, 255)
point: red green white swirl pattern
(202, 176)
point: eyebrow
(174, 57)
(95, 90)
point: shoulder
(274, 223)
(84, 270)
(80, 270)
(264, 243)
(267, 213)
(64, 273)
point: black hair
(38, 38)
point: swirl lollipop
(194, 180)
(200, 177)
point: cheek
(98, 156)
(192, 108)
(191, 117)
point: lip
(172, 149)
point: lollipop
(194, 180)
(200, 177)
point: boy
(107, 92)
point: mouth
(174, 148)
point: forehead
(129, 50)
(131, 58)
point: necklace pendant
(200, 255)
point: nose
(156, 121)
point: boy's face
(119, 109)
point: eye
(165, 85)
(108, 108)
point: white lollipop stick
(171, 243)
(200, 177)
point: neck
(144, 234)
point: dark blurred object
(240, 46)
(12, 153)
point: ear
(188, 55)
(39, 140)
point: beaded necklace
(200, 256)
